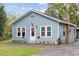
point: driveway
(54, 50)
(60, 50)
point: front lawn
(18, 51)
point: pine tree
(2, 19)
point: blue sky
(20, 8)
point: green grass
(18, 51)
(6, 42)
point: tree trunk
(67, 33)
(67, 28)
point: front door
(32, 34)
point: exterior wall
(61, 29)
(38, 21)
(72, 33)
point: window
(42, 31)
(19, 31)
(64, 30)
(46, 31)
(63, 33)
(23, 32)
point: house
(77, 29)
(35, 26)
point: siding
(72, 34)
(38, 21)
(61, 29)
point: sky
(19, 9)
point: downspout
(67, 28)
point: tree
(3, 19)
(11, 18)
(8, 27)
(62, 9)
(59, 7)
(65, 11)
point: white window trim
(45, 32)
(21, 31)
(17, 32)
(41, 32)
(51, 31)
(25, 31)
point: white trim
(41, 32)
(25, 31)
(45, 32)
(21, 31)
(58, 30)
(17, 32)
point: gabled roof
(52, 18)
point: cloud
(42, 3)
(18, 10)
(43, 10)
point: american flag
(33, 29)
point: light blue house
(35, 26)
